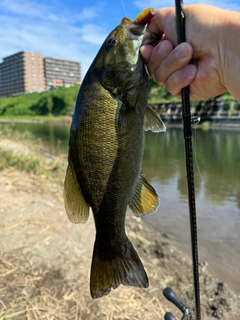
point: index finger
(164, 22)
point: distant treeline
(159, 95)
(61, 101)
(57, 102)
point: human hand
(210, 44)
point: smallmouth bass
(105, 155)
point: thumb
(164, 22)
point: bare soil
(45, 262)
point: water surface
(217, 184)
(217, 187)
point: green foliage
(61, 101)
(49, 103)
(158, 94)
(44, 105)
(206, 125)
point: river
(217, 186)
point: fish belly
(106, 155)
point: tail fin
(112, 267)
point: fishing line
(195, 153)
(124, 9)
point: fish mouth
(144, 18)
(134, 34)
(139, 24)
(151, 38)
(134, 30)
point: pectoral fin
(152, 121)
(145, 199)
(75, 204)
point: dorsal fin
(145, 199)
(152, 121)
(75, 204)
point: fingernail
(190, 71)
(182, 52)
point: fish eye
(112, 42)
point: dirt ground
(45, 262)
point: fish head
(129, 34)
(119, 61)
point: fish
(105, 155)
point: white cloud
(89, 13)
(51, 30)
(92, 33)
(28, 8)
(60, 29)
(142, 4)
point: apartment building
(22, 72)
(60, 72)
(26, 72)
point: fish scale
(105, 155)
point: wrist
(230, 52)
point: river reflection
(54, 136)
(217, 177)
(216, 160)
(217, 187)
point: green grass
(54, 103)
(59, 103)
(35, 164)
(29, 156)
(24, 163)
(47, 118)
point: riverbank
(37, 119)
(45, 260)
(205, 123)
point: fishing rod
(187, 133)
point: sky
(71, 29)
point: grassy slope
(60, 102)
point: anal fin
(145, 199)
(76, 207)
